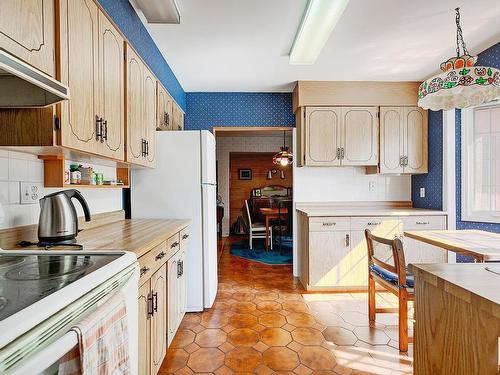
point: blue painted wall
(125, 17)
(433, 182)
(208, 109)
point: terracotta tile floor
(262, 323)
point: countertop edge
(329, 212)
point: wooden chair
(257, 230)
(393, 278)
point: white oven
(44, 293)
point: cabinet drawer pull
(422, 223)
(150, 306)
(347, 240)
(175, 244)
(374, 223)
(144, 270)
(160, 256)
(330, 224)
(185, 236)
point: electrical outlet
(30, 192)
(372, 186)
(422, 192)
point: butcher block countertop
(363, 209)
(136, 235)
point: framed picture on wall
(245, 174)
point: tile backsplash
(17, 167)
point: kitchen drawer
(184, 238)
(173, 245)
(374, 222)
(329, 224)
(150, 262)
(424, 222)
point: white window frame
(467, 145)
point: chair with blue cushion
(394, 278)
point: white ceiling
(242, 45)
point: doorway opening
(255, 195)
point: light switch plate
(30, 192)
(422, 192)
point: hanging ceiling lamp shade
(284, 157)
(461, 84)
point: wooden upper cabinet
(359, 136)
(178, 118)
(322, 136)
(403, 140)
(149, 116)
(164, 110)
(391, 139)
(111, 82)
(79, 70)
(159, 318)
(27, 32)
(415, 140)
(135, 145)
(173, 298)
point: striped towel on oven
(103, 347)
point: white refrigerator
(183, 185)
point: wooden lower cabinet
(162, 300)
(334, 253)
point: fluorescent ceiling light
(159, 11)
(318, 22)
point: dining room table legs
(267, 233)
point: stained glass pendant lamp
(284, 157)
(462, 84)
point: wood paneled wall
(259, 163)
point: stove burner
(50, 267)
(6, 261)
(3, 302)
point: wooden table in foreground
(482, 246)
(269, 214)
(457, 318)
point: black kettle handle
(72, 193)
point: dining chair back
(392, 277)
(256, 230)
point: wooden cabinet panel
(391, 139)
(328, 224)
(173, 298)
(79, 70)
(159, 318)
(182, 287)
(134, 107)
(359, 136)
(178, 116)
(144, 330)
(164, 109)
(415, 140)
(27, 32)
(322, 136)
(111, 81)
(149, 116)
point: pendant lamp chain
(460, 38)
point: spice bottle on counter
(75, 174)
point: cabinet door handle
(405, 161)
(175, 244)
(144, 270)
(167, 119)
(155, 301)
(104, 130)
(342, 153)
(147, 148)
(150, 306)
(179, 272)
(182, 267)
(185, 236)
(98, 128)
(347, 240)
(160, 256)
(143, 148)
(338, 152)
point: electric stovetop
(26, 279)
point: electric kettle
(58, 222)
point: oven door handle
(46, 357)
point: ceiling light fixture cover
(160, 11)
(462, 84)
(284, 157)
(318, 22)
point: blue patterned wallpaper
(432, 181)
(125, 17)
(208, 109)
(434, 185)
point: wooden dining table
(481, 245)
(269, 214)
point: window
(481, 163)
